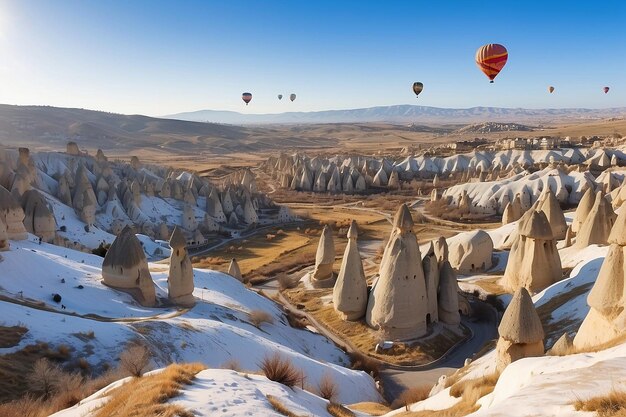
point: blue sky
(160, 57)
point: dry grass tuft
(338, 410)
(11, 336)
(374, 409)
(280, 407)
(611, 405)
(258, 317)
(327, 388)
(146, 396)
(411, 396)
(482, 386)
(280, 369)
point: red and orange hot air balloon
(606, 89)
(491, 59)
(551, 89)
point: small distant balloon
(491, 58)
(246, 97)
(280, 96)
(606, 89)
(292, 96)
(417, 88)
(551, 89)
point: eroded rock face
(470, 252)
(323, 276)
(234, 271)
(597, 224)
(551, 208)
(534, 262)
(12, 215)
(606, 319)
(38, 218)
(180, 279)
(397, 304)
(350, 291)
(125, 267)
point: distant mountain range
(404, 114)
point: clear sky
(161, 57)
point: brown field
(261, 254)
(362, 337)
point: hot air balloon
(292, 96)
(280, 96)
(246, 97)
(551, 89)
(491, 59)
(417, 88)
(606, 90)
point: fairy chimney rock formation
(606, 319)
(125, 267)
(38, 218)
(441, 250)
(550, 206)
(534, 261)
(562, 346)
(448, 300)
(597, 225)
(12, 215)
(234, 271)
(397, 304)
(72, 149)
(582, 211)
(322, 276)
(4, 238)
(180, 279)
(350, 291)
(521, 332)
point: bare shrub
(411, 396)
(232, 364)
(280, 369)
(285, 282)
(43, 377)
(295, 321)
(364, 363)
(327, 388)
(135, 359)
(258, 317)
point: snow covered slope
(228, 393)
(214, 331)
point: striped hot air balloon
(491, 59)
(246, 97)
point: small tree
(135, 359)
